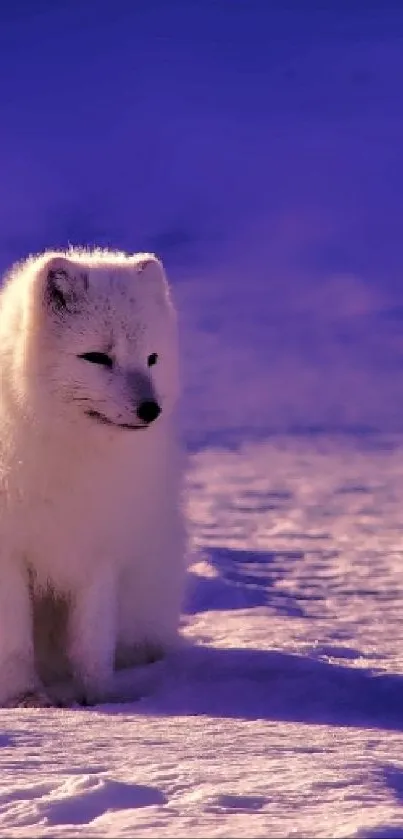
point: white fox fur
(91, 533)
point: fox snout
(144, 397)
(148, 411)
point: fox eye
(152, 359)
(97, 358)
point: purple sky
(258, 149)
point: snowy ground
(283, 714)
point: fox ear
(153, 275)
(65, 284)
(150, 266)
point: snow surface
(283, 713)
(260, 153)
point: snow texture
(282, 714)
(258, 151)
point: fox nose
(148, 411)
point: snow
(259, 153)
(282, 713)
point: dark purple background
(256, 146)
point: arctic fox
(92, 541)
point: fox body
(91, 531)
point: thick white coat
(91, 531)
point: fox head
(100, 340)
